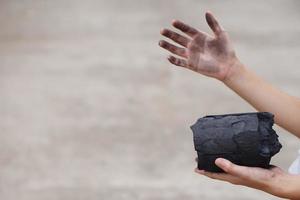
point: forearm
(262, 96)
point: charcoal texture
(245, 139)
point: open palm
(209, 55)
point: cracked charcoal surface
(244, 138)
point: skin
(214, 56)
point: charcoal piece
(244, 138)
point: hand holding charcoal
(212, 56)
(274, 180)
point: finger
(199, 171)
(175, 37)
(177, 61)
(219, 176)
(232, 169)
(185, 28)
(173, 49)
(213, 23)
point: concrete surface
(90, 108)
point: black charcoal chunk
(244, 138)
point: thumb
(231, 168)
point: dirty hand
(274, 180)
(209, 55)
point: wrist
(290, 188)
(285, 186)
(275, 187)
(234, 73)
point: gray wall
(91, 109)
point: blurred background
(91, 109)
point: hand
(212, 56)
(273, 181)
